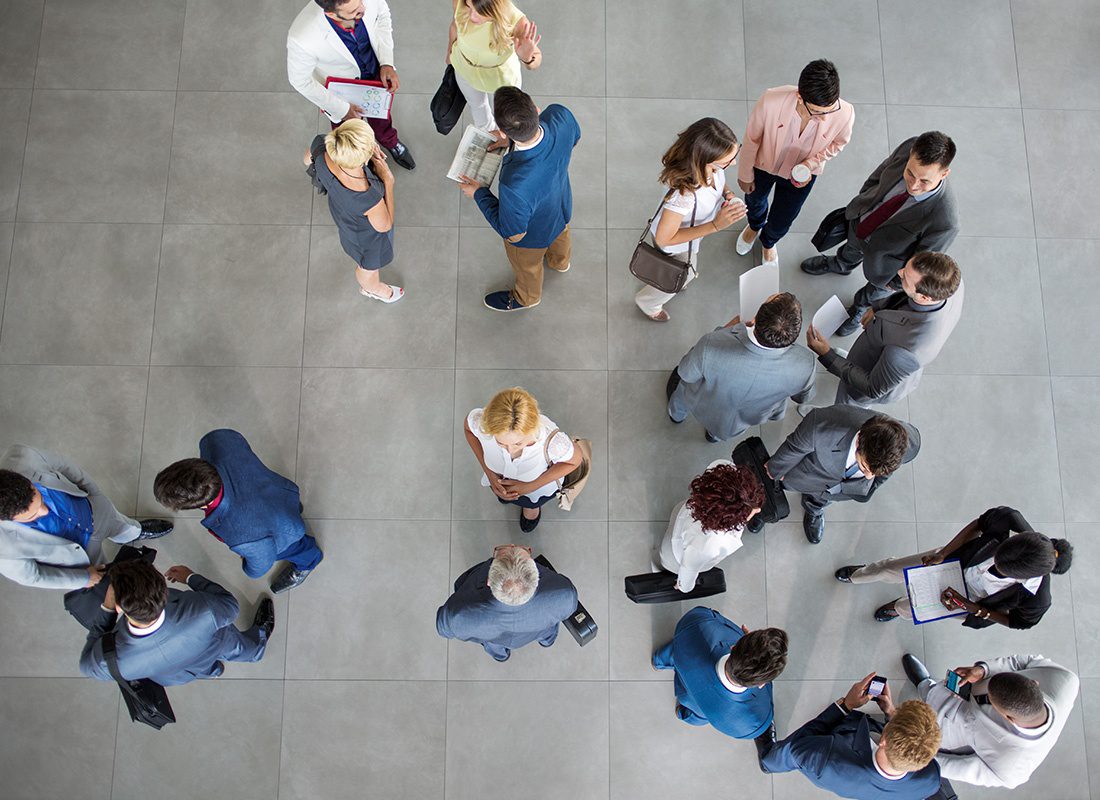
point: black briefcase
(580, 624)
(660, 587)
(753, 454)
(146, 700)
(832, 231)
(447, 103)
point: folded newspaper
(473, 158)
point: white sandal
(398, 293)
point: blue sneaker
(504, 301)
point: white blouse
(709, 199)
(530, 463)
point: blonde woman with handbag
(523, 454)
(489, 40)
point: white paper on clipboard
(757, 285)
(925, 586)
(830, 316)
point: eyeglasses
(813, 113)
(500, 547)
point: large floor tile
(1084, 580)
(575, 401)
(83, 269)
(236, 48)
(1055, 53)
(186, 403)
(90, 415)
(100, 44)
(577, 550)
(255, 151)
(1001, 330)
(231, 295)
(1073, 338)
(108, 169)
(370, 565)
(15, 112)
(420, 39)
(703, 38)
(575, 56)
(1064, 208)
(7, 234)
(345, 329)
(656, 756)
(567, 330)
(550, 738)
(379, 458)
(203, 753)
(1078, 439)
(345, 740)
(930, 74)
(19, 38)
(34, 615)
(1090, 711)
(984, 440)
(64, 713)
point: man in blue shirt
(535, 204)
(724, 672)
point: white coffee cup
(800, 173)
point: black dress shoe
(711, 437)
(915, 671)
(154, 529)
(820, 265)
(844, 574)
(674, 421)
(813, 526)
(265, 616)
(290, 577)
(855, 316)
(402, 155)
(764, 743)
(756, 524)
(886, 613)
(528, 525)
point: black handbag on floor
(753, 454)
(580, 624)
(146, 700)
(447, 103)
(832, 231)
(660, 587)
(653, 266)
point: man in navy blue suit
(724, 672)
(852, 755)
(256, 511)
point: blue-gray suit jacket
(197, 632)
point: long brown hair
(703, 142)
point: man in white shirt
(345, 39)
(1000, 733)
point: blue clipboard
(947, 614)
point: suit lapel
(334, 41)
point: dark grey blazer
(814, 457)
(931, 225)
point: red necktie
(871, 222)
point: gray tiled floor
(165, 269)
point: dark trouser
(304, 554)
(784, 208)
(850, 256)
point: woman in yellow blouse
(489, 41)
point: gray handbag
(652, 265)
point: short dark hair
(1017, 694)
(757, 657)
(883, 443)
(140, 591)
(778, 321)
(189, 483)
(940, 274)
(933, 147)
(724, 496)
(819, 83)
(1025, 555)
(16, 494)
(516, 114)
(330, 6)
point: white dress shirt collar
(720, 668)
(881, 771)
(146, 631)
(752, 338)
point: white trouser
(892, 570)
(480, 103)
(651, 300)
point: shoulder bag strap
(546, 447)
(645, 230)
(109, 654)
(691, 244)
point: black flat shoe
(289, 578)
(710, 437)
(402, 156)
(154, 529)
(886, 613)
(915, 671)
(764, 743)
(756, 524)
(528, 525)
(844, 574)
(813, 526)
(265, 616)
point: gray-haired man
(506, 602)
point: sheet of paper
(375, 100)
(757, 285)
(925, 586)
(830, 316)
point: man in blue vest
(255, 511)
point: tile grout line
(607, 387)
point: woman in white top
(522, 453)
(707, 527)
(694, 172)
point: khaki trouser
(527, 264)
(892, 570)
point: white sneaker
(744, 247)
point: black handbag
(653, 266)
(660, 587)
(447, 103)
(316, 148)
(753, 454)
(146, 700)
(832, 231)
(580, 624)
(84, 603)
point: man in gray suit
(169, 636)
(53, 520)
(841, 453)
(742, 374)
(507, 602)
(905, 206)
(902, 334)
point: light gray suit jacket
(930, 225)
(887, 360)
(29, 556)
(729, 383)
(981, 746)
(814, 457)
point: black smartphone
(954, 684)
(877, 685)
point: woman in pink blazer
(791, 129)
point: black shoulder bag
(316, 149)
(146, 700)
